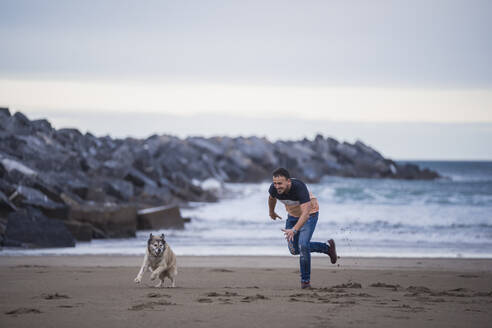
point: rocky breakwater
(58, 186)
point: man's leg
(305, 250)
(325, 248)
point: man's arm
(305, 209)
(271, 205)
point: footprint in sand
(225, 301)
(20, 311)
(231, 294)
(468, 276)
(157, 295)
(149, 305)
(483, 294)
(408, 308)
(222, 298)
(221, 270)
(293, 299)
(421, 290)
(248, 299)
(320, 298)
(350, 284)
(54, 296)
(204, 300)
(215, 294)
(384, 285)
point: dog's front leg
(157, 272)
(144, 267)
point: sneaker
(305, 284)
(332, 252)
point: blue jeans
(302, 244)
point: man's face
(282, 184)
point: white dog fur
(160, 260)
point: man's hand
(274, 216)
(289, 234)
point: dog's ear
(150, 237)
(162, 236)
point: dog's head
(156, 245)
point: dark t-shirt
(298, 193)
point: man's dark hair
(281, 172)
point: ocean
(449, 217)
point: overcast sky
(367, 62)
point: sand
(228, 291)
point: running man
(302, 208)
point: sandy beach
(228, 291)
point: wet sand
(228, 291)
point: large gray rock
(121, 189)
(5, 205)
(43, 126)
(11, 166)
(29, 197)
(18, 124)
(81, 231)
(207, 146)
(155, 196)
(113, 221)
(4, 113)
(163, 217)
(139, 179)
(412, 171)
(30, 228)
(3, 228)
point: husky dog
(160, 260)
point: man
(302, 208)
